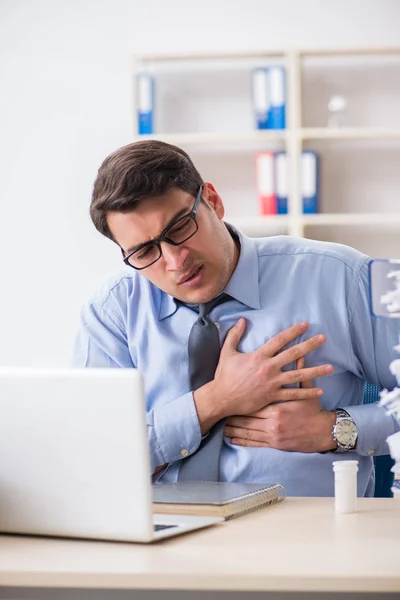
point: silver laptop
(74, 457)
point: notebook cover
(212, 493)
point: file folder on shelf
(309, 181)
(277, 97)
(281, 181)
(260, 97)
(266, 182)
(145, 102)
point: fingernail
(328, 368)
(320, 338)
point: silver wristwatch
(344, 431)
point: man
(297, 310)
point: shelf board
(257, 136)
(264, 52)
(269, 224)
(231, 138)
(349, 51)
(353, 219)
(218, 55)
(348, 133)
(281, 223)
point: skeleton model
(391, 400)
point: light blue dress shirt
(278, 281)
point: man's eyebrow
(183, 211)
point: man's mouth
(191, 276)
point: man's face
(195, 271)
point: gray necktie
(204, 350)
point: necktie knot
(204, 345)
(206, 308)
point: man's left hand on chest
(293, 426)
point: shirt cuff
(374, 426)
(177, 428)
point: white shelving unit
(194, 89)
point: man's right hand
(245, 383)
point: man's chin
(199, 296)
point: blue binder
(277, 97)
(260, 96)
(309, 181)
(281, 182)
(145, 102)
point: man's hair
(136, 172)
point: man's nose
(174, 256)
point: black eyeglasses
(175, 234)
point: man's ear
(213, 199)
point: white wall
(65, 104)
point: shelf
(217, 137)
(276, 224)
(351, 219)
(231, 138)
(269, 225)
(350, 51)
(310, 133)
(195, 56)
(348, 133)
(234, 55)
(256, 136)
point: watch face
(346, 433)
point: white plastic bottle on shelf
(345, 485)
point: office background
(66, 102)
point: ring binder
(145, 102)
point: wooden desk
(300, 545)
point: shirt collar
(243, 284)
(168, 306)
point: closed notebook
(206, 498)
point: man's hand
(245, 383)
(298, 426)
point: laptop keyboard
(159, 527)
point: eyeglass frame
(163, 236)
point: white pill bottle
(345, 485)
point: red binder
(266, 183)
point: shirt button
(184, 452)
(371, 452)
(217, 325)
